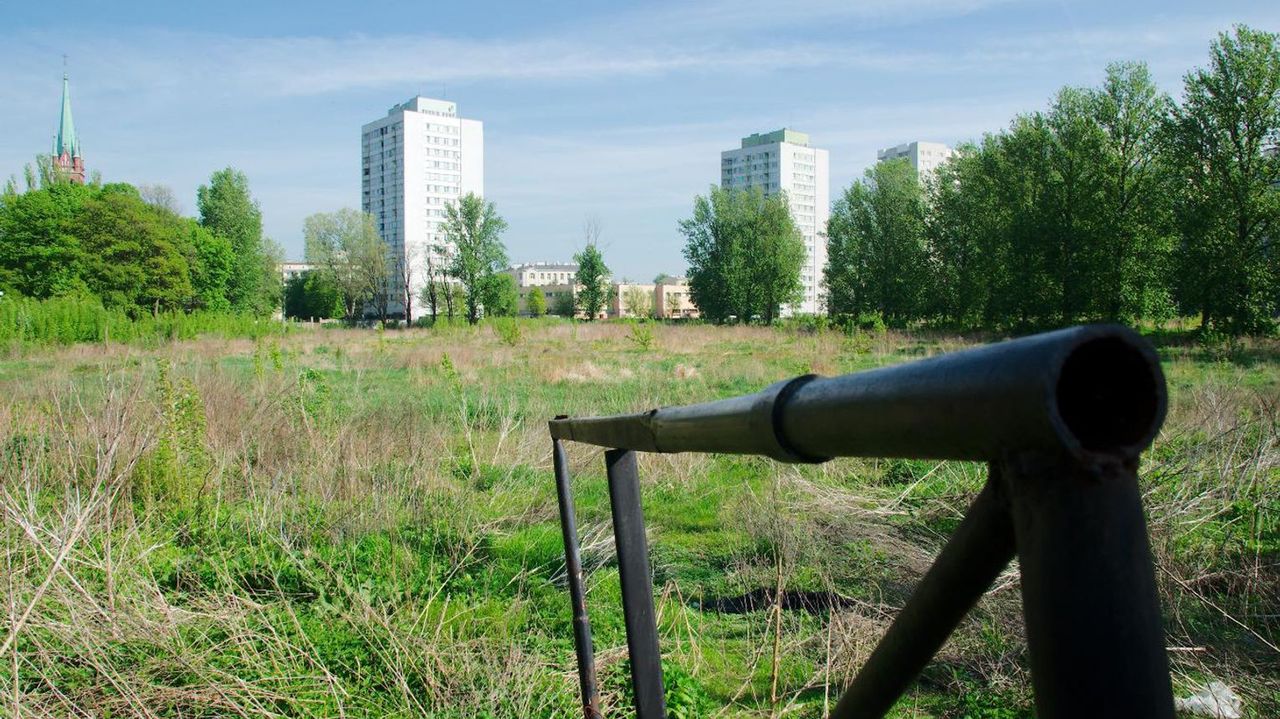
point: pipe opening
(1108, 395)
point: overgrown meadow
(351, 523)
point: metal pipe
(1094, 630)
(577, 596)
(977, 552)
(1094, 391)
(637, 583)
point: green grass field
(345, 523)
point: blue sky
(612, 109)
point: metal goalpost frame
(1060, 418)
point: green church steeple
(66, 142)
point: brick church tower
(66, 148)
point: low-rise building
(672, 299)
(628, 299)
(556, 280)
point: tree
(1134, 222)
(134, 258)
(592, 276)
(227, 209)
(877, 259)
(38, 256)
(564, 304)
(404, 280)
(501, 297)
(160, 196)
(345, 248)
(1222, 144)
(474, 229)
(744, 253)
(312, 295)
(536, 302)
(212, 261)
(637, 302)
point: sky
(616, 110)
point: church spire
(66, 146)
(66, 126)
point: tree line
(1115, 203)
(357, 275)
(130, 250)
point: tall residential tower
(415, 161)
(925, 157)
(783, 161)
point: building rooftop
(783, 135)
(428, 105)
(552, 266)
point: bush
(642, 336)
(508, 330)
(68, 320)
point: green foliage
(175, 473)
(508, 330)
(474, 229)
(229, 210)
(536, 302)
(877, 257)
(564, 305)
(501, 298)
(592, 278)
(745, 255)
(350, 259)
(107, 241)
(312, 295)
(1226, 203)
(641, 335)
(1113, 204)
(133, 254)
(38, 256)
(67, 320)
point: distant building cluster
(667, 298)
(422, 156)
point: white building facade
(416, 160)
(925, 157)
(784, 161)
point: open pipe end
(1110, 395)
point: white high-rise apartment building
(783, 161)
(925, 157)
(415, 161)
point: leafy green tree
(38, 257)
(312, 295)
(134, 255)
(228, 209)
(536, 302)
(964, 219)
(592, 279)
(1134, 222)
(877, 260)
(564, 304)
(474, 229)
(501, 297)
(212, 261)
(744, 253)
(347, 252)
(1222, 144)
